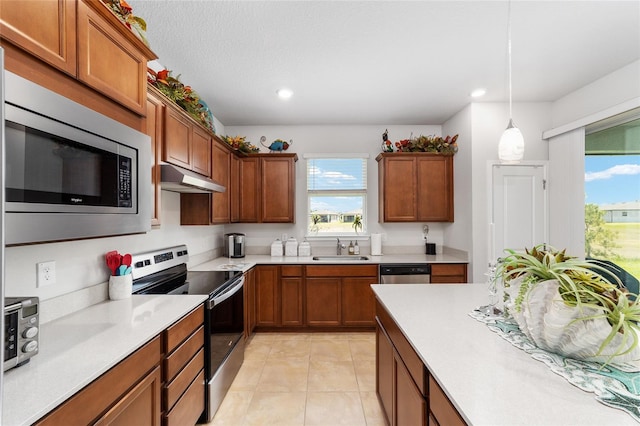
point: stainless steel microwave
(70, 172)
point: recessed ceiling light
(284, 93)
(478, 92)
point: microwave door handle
(227, 293)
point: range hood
(177, 179)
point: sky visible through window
(345, 174)
(612, 179)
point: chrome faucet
(339, 247)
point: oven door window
(225, 328)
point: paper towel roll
(376, 244)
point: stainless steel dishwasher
(405, 273)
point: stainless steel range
(165, 272)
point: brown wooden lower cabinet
(385, 371)
(140, 406)
(291, 287)
(267, 296)
(408, 393)
(110, 397)
(340, 295)
(448, 273)
(323, 301)
(313, 296)
(411, 405)
(278, 296)
(441, 408)
(249, 302)
(183, 370)
(358, 302)
(146, 388)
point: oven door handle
(233, 289)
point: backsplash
(81, 272)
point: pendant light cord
(509, 55)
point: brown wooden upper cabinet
(83, 39)
(220, 174)
(49, 33)
(415, 187)
(266, 189)
(186, 143)
(154, 128)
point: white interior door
(519, 207)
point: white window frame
(361, 235)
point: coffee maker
(234, 245)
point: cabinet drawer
(409, 357)
(448, 279)
(173, 390)
(291, 270)
(182, 329)
(342, 271)
(449, 273)
(448, 269)
(441, 408)
(179, 358)
(188, 409)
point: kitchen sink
(340, 258)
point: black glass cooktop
(178, 280)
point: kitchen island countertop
(245, 263)
(76, 349)
(489, 381)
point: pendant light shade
(511, 146)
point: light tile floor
(296, 379)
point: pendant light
(511, 146)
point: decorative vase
(120, 286)
(570, 331)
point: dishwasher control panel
(405, 273)
(405, 269)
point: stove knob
(30, 332)
(30, 346)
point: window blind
(336, 174)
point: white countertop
(78, 348)
(249, 261)
(488, 380)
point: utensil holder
(120, 286)
(431, 248)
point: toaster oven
(21, 330)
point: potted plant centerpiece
(566, 305)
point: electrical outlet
(46, 273)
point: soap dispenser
(356, 249)
(351, 248)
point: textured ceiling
(383, 62)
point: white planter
(556, 327)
